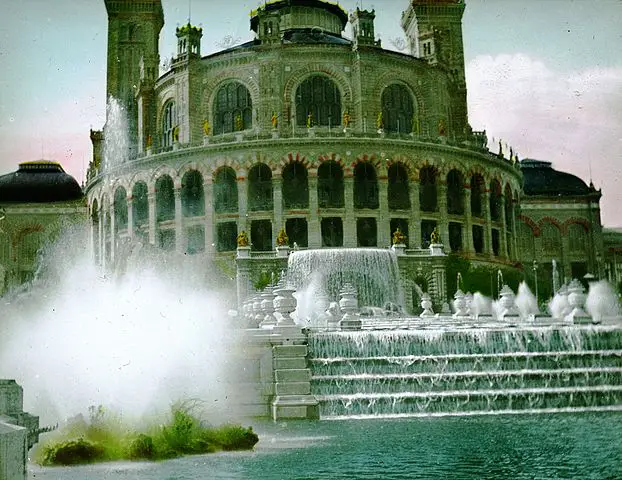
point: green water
(560, 446)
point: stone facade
(335, 140)
(338, 141)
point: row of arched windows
(295, 192)
(318, 101)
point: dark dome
(539, 178)
(333, 8)
(40, 181)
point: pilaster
(151, 200)
(503, 247)
(488, 227)
(242, 202)
(208, 195)
(443, 226)
(384, 235)
(467, 232)
(180, 244)
(414, 230)
(349, 221)
(314, 228)
(277, 200)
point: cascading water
(116, 136)
(372, 271)
(467, 372)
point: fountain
(372, 271)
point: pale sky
(545, 76)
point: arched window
(455, 193)
(398, 192)
(169, 121)
(550, 237)
(427, 189)
(397, 109)
(233, 109)
(330, 185)
(120, 209)
(295, 186)
(577, 239)
(495, 201)
(225, 191)
(165, 199)
(509, 208)
(526, 241)
(477, 190)
(140, 205)
(192, 196)
(260, 188)
(365, 186)
(319, 97)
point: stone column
(242, 202)
(113, 238)
(277, 199)
(488, 227)
(180, 244)
(503, 248)
(153, 221)
(443, 225)
(349, 221)
(130, 217)
(100, 235)
(384, 218)
(467, 234)
(208, 194)
(414, 229)
(314, 228)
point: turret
(133, 37)
(363, 28)
(434, 32)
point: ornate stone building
(336, 140)
(36, 203)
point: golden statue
(435, 237)
(176, 133)
(239, 125)
(282, 239)
(242, 239)
(346, 119)
(310, 120)
(441, 128)
(206, 127)
(149, 141)
(275, 120)
(379, 121)
(398, 237)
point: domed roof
(40, 181)
(276, 5)
(539, 178)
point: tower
(363, 28)
(133, 36)
(434, 32)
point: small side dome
(41, 181)
(539, 178)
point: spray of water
(526, 301)
(134, 343)
(602, 302)
(116, 137)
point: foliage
(74, 452)
(265, 279)
(105, 437)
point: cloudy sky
(545, 76)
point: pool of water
(560, 446)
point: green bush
(74, 452)
(106, 437)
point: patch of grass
(105, 437)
